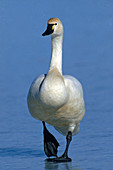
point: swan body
(55, 98)
(60, 104)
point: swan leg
(68, 139)
(64, 157)
(50, 142)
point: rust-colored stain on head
(53, 20)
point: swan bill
(49, 30)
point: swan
(55, 98)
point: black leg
(64, 157)
(50, 142)
(68, 139)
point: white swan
(57, 99)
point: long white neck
(56, 59)
(53, 92)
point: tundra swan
(55, 98)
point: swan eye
(54, 26)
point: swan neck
(56, 58)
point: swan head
(54, 27)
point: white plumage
(54, 98)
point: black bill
(49, 30)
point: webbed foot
(64, 157)
(59, 159)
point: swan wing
(32, 94)
(72, 81)
(36, 84)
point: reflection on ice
(59, 166)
